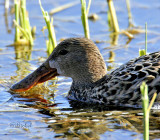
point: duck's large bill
(40, 75)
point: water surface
(45, 112)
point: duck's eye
(63, 52)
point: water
(28, 116)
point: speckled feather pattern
(122, 86)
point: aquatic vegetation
(146, 109)
(23, 33)
(112, 17)
(51, 43)
(144, 51)
(17, 20)
(84, 17)
(145, 98)
(62, 7)
(129, 14)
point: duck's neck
(85, 84)
(84, 92)
(89, 76)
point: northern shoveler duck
(80, 59)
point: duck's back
(123, 86)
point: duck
(81, 60)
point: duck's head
(78, 58)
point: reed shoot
(113, 15)
(22, 28)
(16, 6)
(89, 5)
(51, 33)
(146, 108)
(145, 103)
(84, 17)
(146, 37)
(129, 14)
(62, 7)
(144, 51)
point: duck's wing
(123, 84)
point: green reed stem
(51, 32)
(152, 101)
(145, 103)
(17, 35)
(146, 37)
(84, 18)
(24, 16)
(89, 5)
(25, 24)
(113, 16)
(26, 35)
(24, 27)
(144, 51)
(146, 109)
